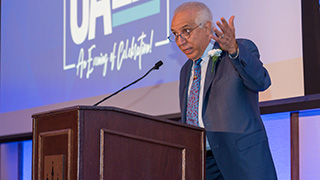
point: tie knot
(197, 62)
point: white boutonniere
(214, 54)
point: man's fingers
(224, 22)
(221, 26)
(217, 32)
(231, 21)
(226, 28)
(225, 35)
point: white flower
(214, 52)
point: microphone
(156, 66)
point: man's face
(194, 46)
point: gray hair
(203, 13)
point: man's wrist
(235, 54)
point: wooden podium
(86, 142)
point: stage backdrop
(67, 52)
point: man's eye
(185, 31)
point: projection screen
(62, 53)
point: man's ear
(208, 27)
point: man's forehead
(182, 20)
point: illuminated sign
(92, 36)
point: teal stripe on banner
(136, 13)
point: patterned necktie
(193, 100)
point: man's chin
(193, 58)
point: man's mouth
(187, 50)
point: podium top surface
(112, 109)
(82, 107)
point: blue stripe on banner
(136, 13)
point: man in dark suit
(220, 93)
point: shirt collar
(205, 56)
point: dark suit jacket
(231, 114)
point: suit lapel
(185, 85)
(188, 73)
(211, 74)
(209, 77)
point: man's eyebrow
(183, 27)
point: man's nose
(180, 40)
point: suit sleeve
(249, 67)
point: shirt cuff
(234, 55)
